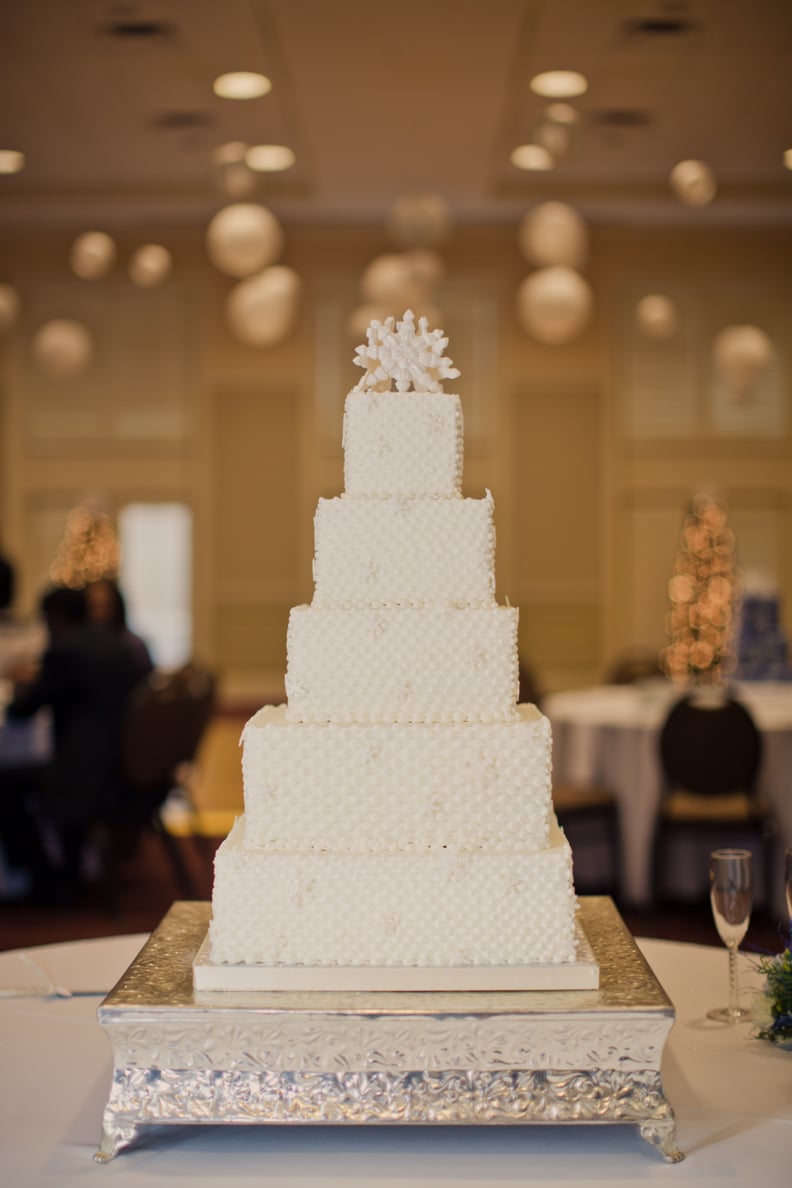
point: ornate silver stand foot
(663, 1136)
(114, 1138)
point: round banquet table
(609, 736)
(732, 1095)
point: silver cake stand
(433, 1058)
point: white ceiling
(377, 101)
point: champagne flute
(731, 896)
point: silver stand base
(410, 1058)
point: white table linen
(610, 736)
(732, 1095)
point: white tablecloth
(732, 1095)
(609, 735)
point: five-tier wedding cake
(398, 811)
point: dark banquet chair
(166, 719)
(589, 817)
(711, 753)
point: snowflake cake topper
(398, 352)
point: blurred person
(106, 605)
(87, 674)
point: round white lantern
(419, 220)
(693, 182)
(657, 316)
(554, 233)
(92, 255)
(238, 180)
(427, 267)
(261, 310)
(9, 307)
(243, 238)
(742, 356)
(389, 280)
(554, 305)
(554, 137)
(361, 318)
(63, 348)
(150, 264)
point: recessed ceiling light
(559, 84)
(11, 161)
(788, 158)
(269, 158)
(531, 156)
(241, 84)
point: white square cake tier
(446, 908)
(395, 551)
(428, 786)
(403, 443)
(403, 664)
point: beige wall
(592, 450)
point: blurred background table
(609, 735)
(732, 1095)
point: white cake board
(580, 974)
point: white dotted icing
(403, 443)
(394, 551)
(398, 809)
(392, 909)
(467, 787)
(402, 665)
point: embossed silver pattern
(465, 1058)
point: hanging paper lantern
(693, 182)
(554, 233)
(555, 137)
(742, 356)
(243, 238)
(426, 267)
(419, 220)
(361, 318)
(261, 311)
(63, 348)
(235, 178)
(554, 305)
(657, 316)
(238, 180)
(150, 265)
(92, 255)
(9, 307)
(389, 280)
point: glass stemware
(731, 896)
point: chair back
(165, 721)
(633, 667)
(710, 749)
